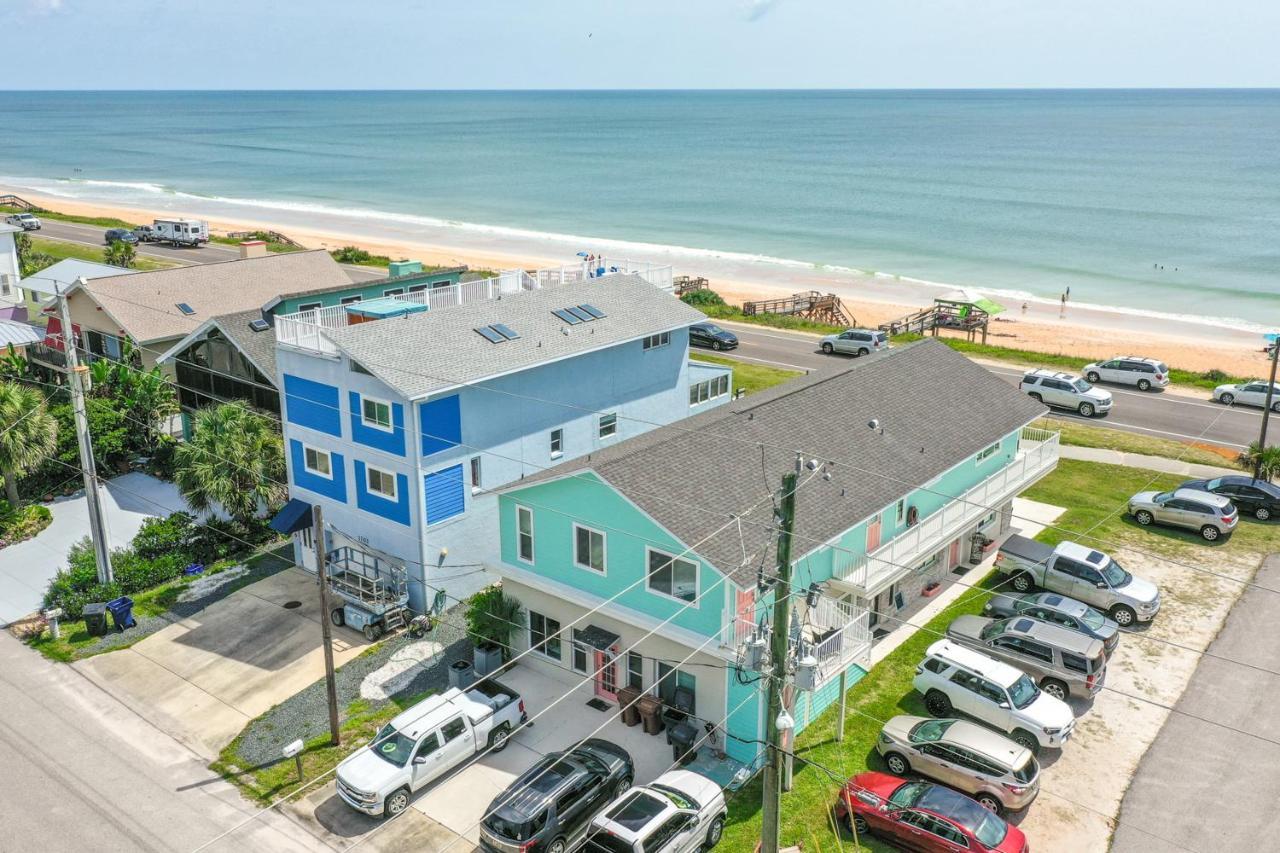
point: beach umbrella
(970, 297)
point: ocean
(1157, 200)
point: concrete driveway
(27, 567)
(204, 678)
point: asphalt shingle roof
(145, 303)
(439, 349)
(936, 407)
(260, 347)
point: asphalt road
(1209, 781)
(1160, 414)
(82, 772)
(91, 235)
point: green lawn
(272, 245)
(753, 377)
(1092, 493)
(100, 221)
(1088, 435)
(60, 250)
(263, 783)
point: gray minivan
(1063, 662)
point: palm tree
(1266, 460)
(120, 254)
(235, 458)
(28, 434)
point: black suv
(711, 335)
(119, 235)
(1257, 497)
(548, 809)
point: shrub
(702, 297)
(350, 255)
(161, 536)
(492, 615)
(76, 585)
(134, 573)
(23, 524)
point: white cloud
(757, 9)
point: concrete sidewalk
(1150, 463)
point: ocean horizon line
(665, 90)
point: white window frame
(310, 306)
(986, 453)
(901, 511)
(558, 636)
(604, 550)
(391, 418)
(368, 485)
(476, 469)
(697, 577)
(661, 339)
(350, 300)
(708, 389)
(393, 291)
(306, 466)
(556, 442)
(600, 426)
(532, 538)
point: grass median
(60, 250)
(752, 377)
(1087, 435)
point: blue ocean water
(1163, 200)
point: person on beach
(1062, 312)
(1024, 308)
(1067, 294)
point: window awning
(597, 638)
(292, 517)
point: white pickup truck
(1080, 573)
(425, 742)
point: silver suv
(1213, 516)
(986, 765)
(1064, 391)
(856, 342)
(1061, 661)
(1145, 373)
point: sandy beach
(1033, 324)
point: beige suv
(987, 766)
(1063, 662)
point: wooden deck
(811, 305)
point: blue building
(401, 414)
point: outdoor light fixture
(784, 721)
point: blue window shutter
(441, 424)
(444, 493)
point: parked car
(119, 235)
(1064, 391)
(425, 742)
(1257, 497)
(1248, 393)
(1062, 662)
(712, 336)
(1081, 573)
(856, 342)
(146, 234)
(679, 812)
(995, 771)
(1210, 515)
(549, 808)
(922, 816)
(25, 221)
(1146, 373)
(1057, 610)
(954, 678)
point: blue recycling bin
(121, 610)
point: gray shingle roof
(440, 349)
(145, 303)
(260, 347)
(936, 407)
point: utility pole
(778, 652)
(326, 632)
(1266, 411)
(75, 376)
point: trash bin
(650, 707)
(121, 612)
(95, 619)
(681, 737)
(627, 699)
(461, 674)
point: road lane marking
(735, 355)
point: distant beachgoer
(1024, 308)
(1067, 295)
(1062, 311)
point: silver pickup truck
(1080, 573)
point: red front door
(955, 554)
(606, 680)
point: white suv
(1146, 373)
(1064, 391)
(953, 678)
(679, 812)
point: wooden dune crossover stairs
(811, 305)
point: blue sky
(464, 44)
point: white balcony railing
(845, 632)
(305, 329)
(1037, 454)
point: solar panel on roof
(186, 309)
(580, 314)
(490, 335)
(567, 317)
(506, 331)
(593, 311)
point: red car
(922, 816)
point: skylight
(575, 314)
(259, 325)
(186, 309)
(497, 333)
(567, 317)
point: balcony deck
(1037, 455)
(305, 329)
